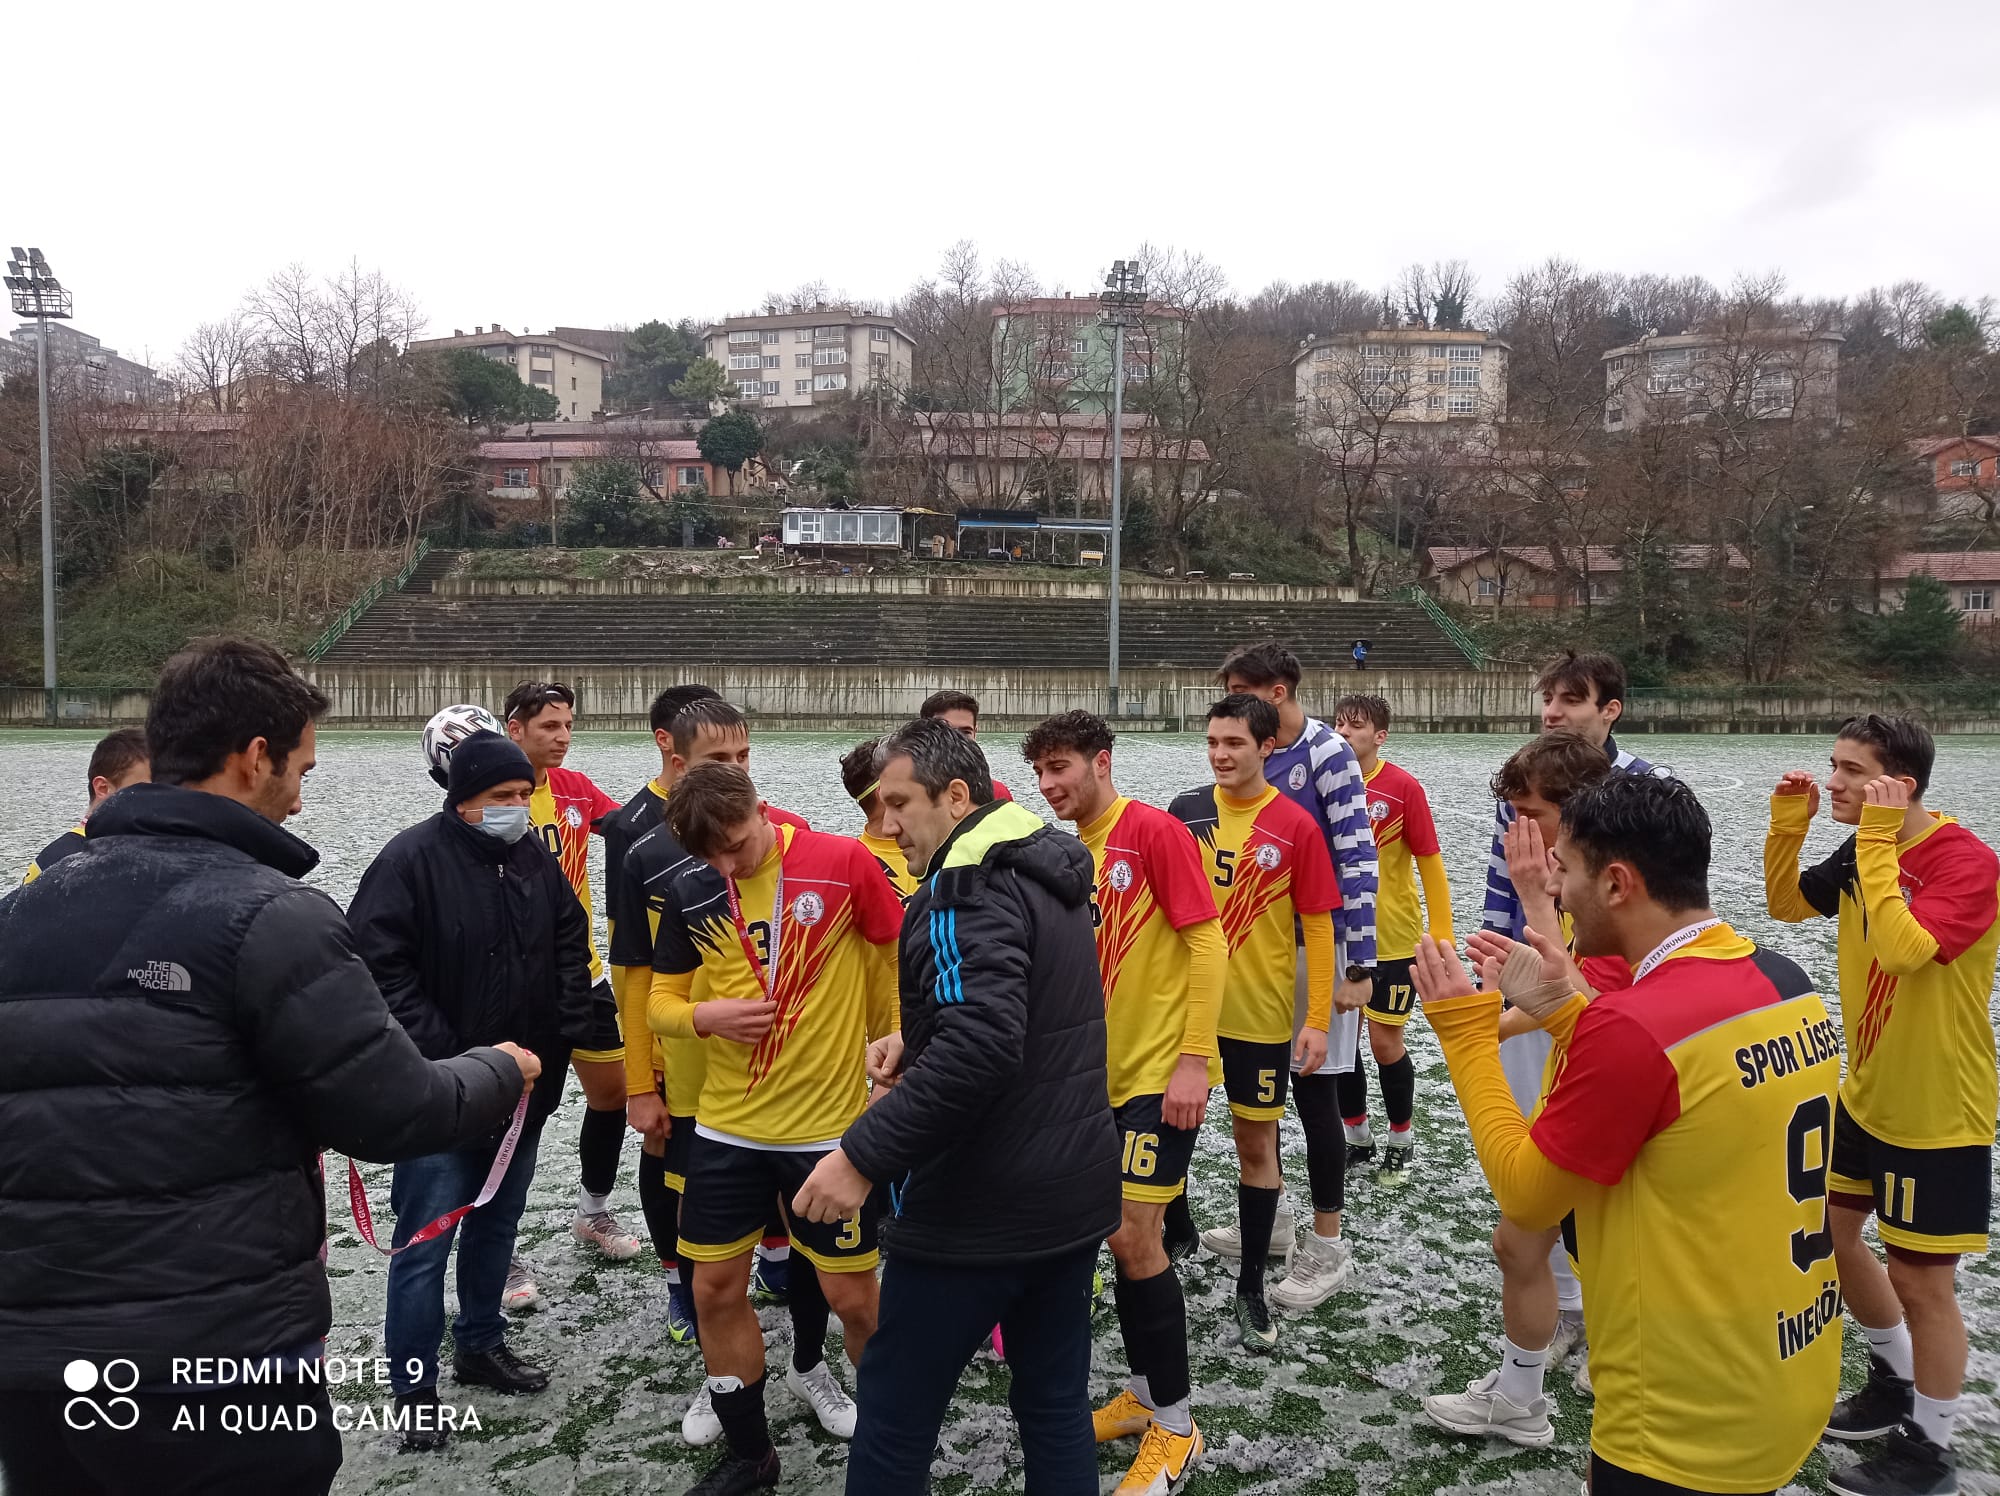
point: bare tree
(1438, 295)
(214, 361)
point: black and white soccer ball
(448, 729)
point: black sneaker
(1254, 1325)
(1878, 1407)
(1396, 1158)
(736, 1475)
(499, 1369)
(1359, 1155)
(1908, 1465)
(418, 1422)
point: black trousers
(933, 1319)
(1607, 1479)
(43, 1452)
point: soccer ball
(447, 730)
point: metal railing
(374, 593)
(1467, 646)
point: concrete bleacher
(419, 627)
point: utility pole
(37, 293)
(1124, 298)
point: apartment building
(1399, 375)
(82, 361)
(1054, 353)
(571, 372)
(1774, 374)
(800, 359)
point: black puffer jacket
(473, 941)
(183, 1027)
(997, 1143)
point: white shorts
(1343, 1035)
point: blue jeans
(424, 1189)
(933, 1319)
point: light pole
(1123, 300)
(38, 294)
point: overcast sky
(607, 163)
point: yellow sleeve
(1208, 965)
(1530, 1190)
(1562, 1023)
(670, 1005)
(1791, 818)
(1898, 942)
(1318, 932)
(634, 986)
(885, 1008)
(1437, 897)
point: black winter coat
(183, 1027)
(474, 941)
(997, 1142)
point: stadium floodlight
(38, 294)
(1123, 302)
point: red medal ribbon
(765, 979)
(364, 1220)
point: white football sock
(1521, 1373)
(1140, 1390)
(591, 1205)
(1935, 1418)
(1893, 1346)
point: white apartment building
(1405, 374)
(802, 359)
(569, 371)
(1774, 373)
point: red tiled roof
(1599, 559)
(1065, 445)
(1946, 566)
(521, 449)
(1932, 446)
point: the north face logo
(161, 976)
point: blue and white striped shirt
(1319, 773)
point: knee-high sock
(807, 1302)
(1256, 1212)
(661, 1203)
(599, 1142)
(1399, 1091)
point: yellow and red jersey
(823, 922)
(1150, 886)
(564, 811)
(1267, 862)
(889, 855)
(1400, 813)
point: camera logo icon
(116, 1376)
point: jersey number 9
(1808, 1140)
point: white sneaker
(829, 1401)
(603, 1232)
(1319, 1271)
(1227, 1241)
(1480, 1411)
(699, 1425)
(521, 1291)
(1581, 1381)
(1569, 1339)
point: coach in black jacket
(994, 1136)
(183, 1027)
(471, 929)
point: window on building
(687, 477)
(770, 337)
(829, 335)
(802, 360)
(1599, 590)
(1322, 355)
(746, 335)
(803, 335)
(1434, 402)
(1374, 350)
(829, 355)
(878, 334)
(1322, 379)
(802, 386)
(650, 475)
(543, 350)
(572, 381)
(829, 381)
(514, 478)
(1465, 376)
(1435, 376)
(746, 361)
(1489, 586)
(1976, 600)
(878, 363)
(1462, 353)
(1462, 405)
(1374, 376)
(572, 407)
(1614, 415)
(543, 376)
(560, 480)
(749, 389)
(1437, 350)
(1964, 468)
(772, 360)
(1079, 347)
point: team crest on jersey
(1297, 778)
(1378, 810)
(808, 909)
(1120, 876)
(1268, 856)
(573, 816)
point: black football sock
(1126, 1298)
(1179, 1227)
(741, 1413)
(599, 1141)
(660, 1202)
(1159, 1325)
(1352, 1086)
(807, 1302)
(1256, 1213)
(1326, 1140)
(1399, 1091)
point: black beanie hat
(482, 761)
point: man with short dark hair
(471, 931)
(567, 810)
(180, 979)
(118, 759)
(960, 712)
(1688, 1132)
(991, 1126)
(1918, 901)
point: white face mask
(509, 823)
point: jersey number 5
(1225, 867)
(1808, 1139)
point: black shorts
(680, 1146)
(1254, 1078)
(607, 1041)
(1395, 994)
(1607, 1479)
(726, 1206)
(1933, 1200)
(1154, 1157)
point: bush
(1922, 639)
